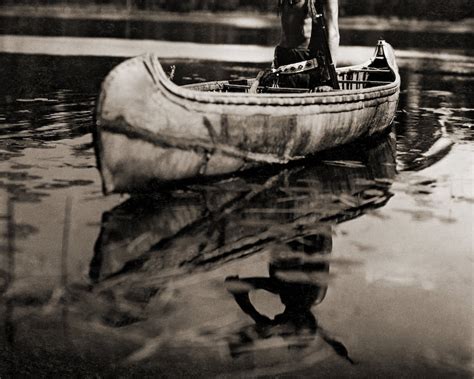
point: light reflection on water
(224, 33)
(361, 254)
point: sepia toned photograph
(236, 189)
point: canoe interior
(374, 73)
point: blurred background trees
(422, 9)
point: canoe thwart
(244, 88)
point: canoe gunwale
(291, 108)
(339, 97)
(190, 93)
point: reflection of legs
(303, 278)
(291, 322)
(242, 296)
(240, 289)
(316, 244)
(297, 294)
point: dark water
(356, 263)
(219, 33)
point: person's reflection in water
(300, 279)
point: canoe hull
(149, 130)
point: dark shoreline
(240, 18)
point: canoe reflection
(201, 227)
(148, 245)
(299, 273)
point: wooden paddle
(319, 40)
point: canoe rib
(151, 130)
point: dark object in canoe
(150, 130)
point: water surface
(223, 33)
(357, 262)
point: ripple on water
(163, 273)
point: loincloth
(295, 68)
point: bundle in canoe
(150, 130)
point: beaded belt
(296, 68)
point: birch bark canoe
(150, 131)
